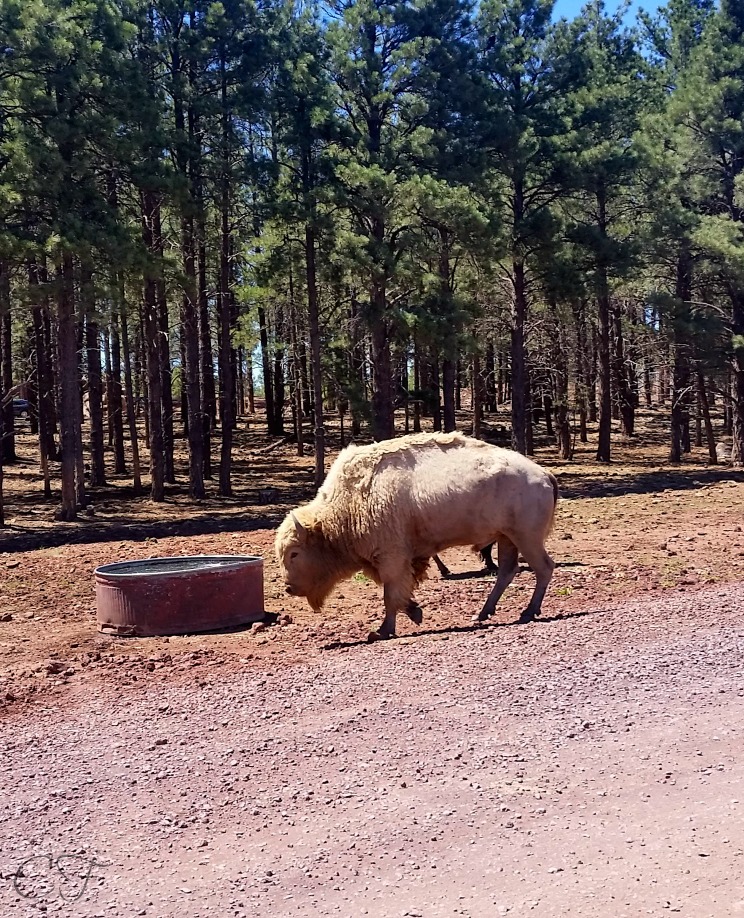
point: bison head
(307, 562)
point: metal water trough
(162, 596)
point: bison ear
(299, 528)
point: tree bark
(519, 380)
(129, 396)
(476, 388)
(626, 409)
(737, 389)
(116, 397)
(8, 443)
(95, 403)
(69, 386)
(315, 361)
(151, 341)
(166, 371)
(268, 379)
(705, 410)
(603, 341)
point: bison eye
(293, 554)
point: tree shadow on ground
(475, 628)
(132, 530)
(580, 485)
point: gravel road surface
(590, 765)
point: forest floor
(589, 748)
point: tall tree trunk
(129, 396)
(519, 378)
(224, 305)
(737, 371)
(315, 362)
(166, 370)
(207, 390)
(2, 464)
(268, 378)
(626, 408)
(151, 341)
(95, 400)
(603, 342)
(560, 383)
(69, 385)
(109, 382)
(383, 418)
(416, 387)
(705, 410)
(296, 374)
(279, 382)
(250, 389)
(448, 394)
(679, 426)
(116, 397)
(45, 397)
(476, 388)
(186, 159)
(8, 443)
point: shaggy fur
(387, 508)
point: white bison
(389, 507)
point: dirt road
(590, 765)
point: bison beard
(389, 507)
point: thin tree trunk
(108, 376)
(705, 410)
(250, 389)
(47, 447)
(279, 382)
(151, 339)
(8, 443)
(268, 379)
(166, 370)
(383, 419)
(737, 372)
(95, 392)
(315, 363)
(625, 405)
(476, 388)
(69, 386)
(519, 379)
(129, 396)
(224, 306)
(2, 464)
(116, 397)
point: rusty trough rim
(175, 566)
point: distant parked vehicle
(21, 408)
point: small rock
(6, 617)
(258, 627)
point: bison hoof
(527, 616)
(415, 613)
(378, 636)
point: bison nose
(289, 590)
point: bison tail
(556, 494)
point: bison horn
(298, 526)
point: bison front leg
(397, 597)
